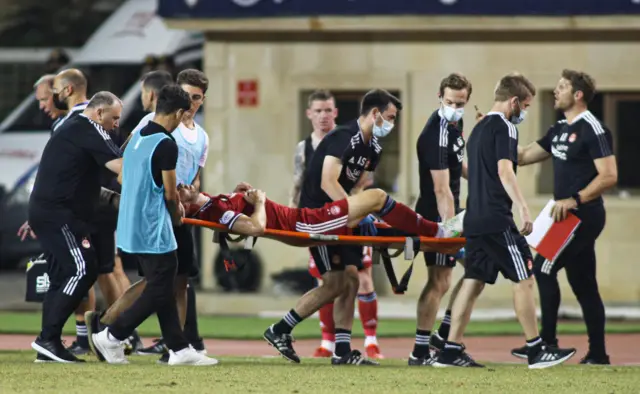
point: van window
(113, 78)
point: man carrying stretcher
(250, 213)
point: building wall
(256, 144)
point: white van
(113, 59)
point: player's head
(105, 109)
(43, 88)
(454, 94)
(322, 111)
(172, 103)
(195, 83)
(380, 108)
(152, 83)
(516, 93)
(68, 83)
(574, 88)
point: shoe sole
(549, 364)
(47, 353)
(520, 356)
(285, 357)
(100, 351)
(37, 361)
(141, 353)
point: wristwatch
(576, 197)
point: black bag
(37, 279)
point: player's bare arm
(171, 196)
(465, 170)
(256, 224)
(532, 153)
(298, 171)
(510, 184)
(196, 180)
(606, 179)
(444, 196)
(331, 169)
(114, 166)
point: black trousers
(72, 271)
(157, 297)
(579, 262)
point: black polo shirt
(165, 156)
(67, 186)
(488, 205)
(440, 147)
(574, 147)
(346, 143)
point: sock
(288, 322)
(368, 310)
(326, 324)
(445, 325)
(421, 347)
(343, 342)
(404, 218)
(81, 334)
(534, 342)
(191, 323)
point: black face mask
(59, 104)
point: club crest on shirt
(226, 217)
(530, 265)
(334, 210)
(85, 243)
(572, 137)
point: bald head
(74, 78)
(69, 89)
(105, 108)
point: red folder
(549, 238)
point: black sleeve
(433, 146)
(599, 140)
(99, 143)
(545, 142)
(506, 139)
(165, 157)
(339, 144)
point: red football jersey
(226, 208)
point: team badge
(85, 243)
(572, 137)
(226, 217)
(334, 210)
(530, 264)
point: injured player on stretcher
(249, 213)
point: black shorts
(506, 252)
(433, 259)
(336, 257)
(104, 242)
(186, 253)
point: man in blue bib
(149, 210)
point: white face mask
(384, 130)
(452, 114)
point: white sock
(329, 345)
(370, 340)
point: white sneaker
(110, 348)
(452, 228)
(189, 356)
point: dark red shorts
(330, 219)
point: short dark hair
(103, 98)
(456, 81)
(319, 95)
(380, 99)
(156, 80)
(514, 85)
(193, 77)
(172, 98)
(581, 81)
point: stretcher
(387, 239)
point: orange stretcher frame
(299, 239)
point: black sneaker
(164, 359)
(521, 352)
(436, 342)
(282, 343)
(421, 361)
(198, 345)
(77, 349)
(41, 358)
(543, 356)
(354, 357)
(55, 351)
(134, 343)
(591, 360)
(455, 357)
(157, 348)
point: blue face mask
(520, 118)
(384, 130)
